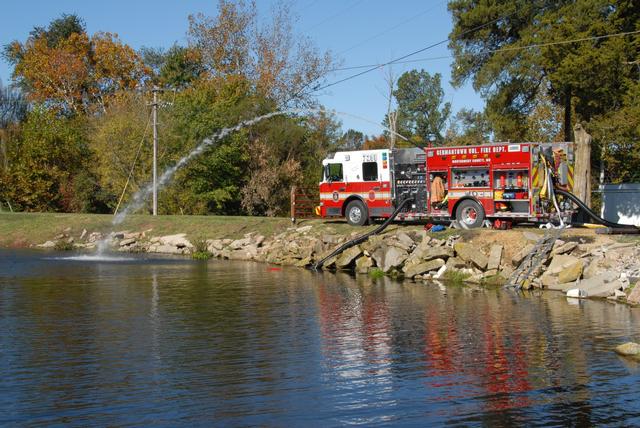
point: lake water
(174, 342)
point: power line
(431, 46)
(356, 67)
(505, 49)
(135, 160)
(319, 88)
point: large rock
(348, 256)
(495, 257)
(629, 349)
(127, 242)
(571, 272)
(244, 254)
(519, 257)
(378, 254)
(132, 235)
(372, 244)
(364, 264)
(471, 254)
(573, 266)
(634, 296)
(595, 267)
(577, 293)
(239, 243)
(393, 258)
(602, 285)
(331, 239)
(405, 239)
(179, 240)
(565, 248)
(421, 268)
(214, 245)
(426, 253)
(166, 249)
(330, 262)
(455, 263)
(48, 244)
(437, 253)
(94, 237)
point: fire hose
(550, 187)
(589, 212)
(362, 238)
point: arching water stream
(141, 197)
(175, 342)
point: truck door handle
(342, 189)
(376, 188)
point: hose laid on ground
(362, 238)
(589, 212)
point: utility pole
(155, 150)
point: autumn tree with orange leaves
(63, 67)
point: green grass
(455, 277)
(200, 249)
(24, 229)
(201, 255)
(63, 245)
(376, 273)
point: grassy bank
(26, 229)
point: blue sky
(360, 32)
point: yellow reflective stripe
(570, 176)
(345, 195)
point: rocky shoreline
(575, 266)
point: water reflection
(176, 342)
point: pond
(172, 342)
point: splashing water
(98, 257)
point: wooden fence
(303, 203)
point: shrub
(200, 249)
(456, 277)
(63, 245)
(376, 273)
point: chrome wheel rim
(469, 215)
(355, 214)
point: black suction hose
(586, 209)
(362, 238)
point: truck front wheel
(356, 213)
(470, 214)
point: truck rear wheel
(470, 214)
(356, 213)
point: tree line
(75, 124)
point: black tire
(470, 214)
(356, 213)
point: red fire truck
(502, 182)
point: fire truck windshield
(333, 172)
